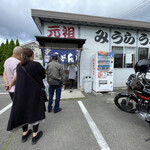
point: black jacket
(28, 107)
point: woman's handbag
(54, 82)
(43, 93)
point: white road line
(4, 93)
(4, 109)
(100, 139)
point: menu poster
(102, 74)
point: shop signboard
(65, 55)
(60, 30)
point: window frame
(147, 52)
(124, 54)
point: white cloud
(2, 40)
(17, 23)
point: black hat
(54, 56)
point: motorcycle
(137, 97)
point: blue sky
(16, 21)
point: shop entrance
(70, 61)
(68, 81)
(67, 44)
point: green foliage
(17, 43)
(40, 57)
(6, 51)
(10, 48)
(6, 47)
(2, 57)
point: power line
(137, 8)
(134, 9)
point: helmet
(142, 66)
(54, 56)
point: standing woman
(28, 105)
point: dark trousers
(11, 95)
(35, 128)
(52, 89)
(71, 83)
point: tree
(10, 49)
(17, 43)
(2, 58)
(1, 51)
(2, 48)
(6, 51)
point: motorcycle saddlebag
(135, 84)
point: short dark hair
(54, 56)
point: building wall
(102, 39)
(35, 47)
(121, 75)
(89, 48)
(128, 39)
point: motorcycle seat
(147, 81)
(146, 92)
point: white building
(35, 47)
(129, 40)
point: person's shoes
(25, 137)
(49, 111)
(56, 111)
(37, 137)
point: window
(129, 57)
(118, 57)
(124, 57)
(36, 54)
(142, 53)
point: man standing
(9, 74)
(72, 75)
(54, 73)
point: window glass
(118, 56)
(129, 57)
(124, 57)
(36, 54)
(142, 53)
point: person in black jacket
(28, 105)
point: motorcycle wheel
(124, 103)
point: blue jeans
(52, 89)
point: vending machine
(102, 67)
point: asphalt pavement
(69, 129)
